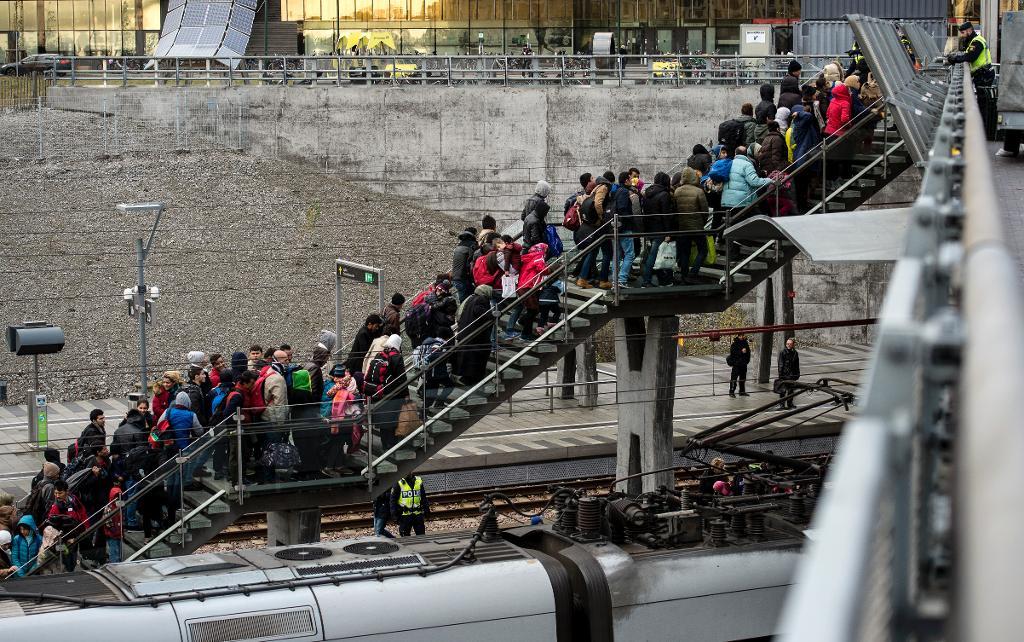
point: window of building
(128, 21)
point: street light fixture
(140, 299)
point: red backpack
(572, 218)
(161, 435)
(481, 275)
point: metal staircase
(739, 267)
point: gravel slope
(244, 255)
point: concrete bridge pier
(287, 527)
(645, 368)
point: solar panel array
(207, 29)
(915, 100)
(925, 47)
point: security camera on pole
(141, 297)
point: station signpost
(359, 273)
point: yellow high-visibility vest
(409, 496)
(984, 58)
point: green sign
(357, 274)
(42, 431)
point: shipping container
(895, 9)
(815, 38)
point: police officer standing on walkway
(979, 56)
(409, 505)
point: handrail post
(449, 63)
(616, 256)
(549, 391)
(181, 496)
(506, 71)
(824, 176)
(561, 73)
(240, 457)
(885, 145)
(177, 71)
(369, 446)
(565, 297)
(620, 70)
(728, 255)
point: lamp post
(140, 299)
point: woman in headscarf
(700, 159)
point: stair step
(739, 277)
(175, 537)
(198, 521)
(474, 400)
(406, 454)
(506, 354)
(386, 468)
(511, 373)
(134, 541)
(544, 347)
(456, 414)
(439, 427)
(197, 497)
(579, 322)
(417, 441)
(752, 266)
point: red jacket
(161, 402)
(112, 528)
(72, 508)
(840, 109)
(534, 267)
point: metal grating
(926, 48)
(360, 566)
(916, 101)
(303, 553)
(262, 626)
(371, 548)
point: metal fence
(103, 125)
(894, 557)
(669, 70)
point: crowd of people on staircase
(309, 419)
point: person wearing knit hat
(387, 378)
(392, 314)
(196, 359)
(51, 471)
(394, 341)
(794, 67)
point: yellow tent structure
(367, 39)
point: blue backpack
(555, 247)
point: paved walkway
(531, 433)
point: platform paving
(532, 433)
(1008, 178)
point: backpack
(730, 133)
(216, 399)
(572, 218)
(219, 407)
(377, 375)
(137, 459)
(72, 451)
(416, 319)
(257, 396)
(35, 503)
(74, 466)
(555, 247)
(588, 211)
(281, 456)
(161, 435)
(870, 91)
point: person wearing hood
(789, 89)
(700, 159)
(5, 553)
(659, 209)
(25, 547)
(534, 216)
(50, 455)
(773, 155)
(782, 118)
(361, 344)
(840, 113)
(306, 424)
(692, 206)
(764, 112)
(475, 323)
(804, 137)
(183, 422)
(746, 118)
(387, 389)
(537, 202)
(533, 272)
(462, 264)
(743, 181)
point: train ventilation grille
(363, 565)
(261, 626)
(304, 553)
(371, 548)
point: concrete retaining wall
(467, 150)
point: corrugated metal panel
(829, 37)
(901, 9)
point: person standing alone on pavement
(739, 357)
(789, 370)
(409, 505)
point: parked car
(37, 62)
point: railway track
(450, 505)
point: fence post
(449, 62)
(240, 459)
(106, 153)
(103, 66)
(177, 122)
(239, 125)
(39, 123)
(124, 72)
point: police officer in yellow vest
(978, 55)
(409, 505)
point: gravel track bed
(244, 254)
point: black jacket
(360, 345)
(700, 162)
(624, 208)
(535, 227)
(396, 380)
(198, 402)
(658, 200)
(535, 204)
(765, 109)
(739, 352)
(790, 92)
(789, 364)
(92, 440)
(316, 374)
(132, 432)
(462, 258)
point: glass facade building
(447, 27)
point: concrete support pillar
(645, 368)
(788, 314)
(286, 527)
(567, 375)
(586, 370)
(765, 316)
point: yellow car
(664, 68)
